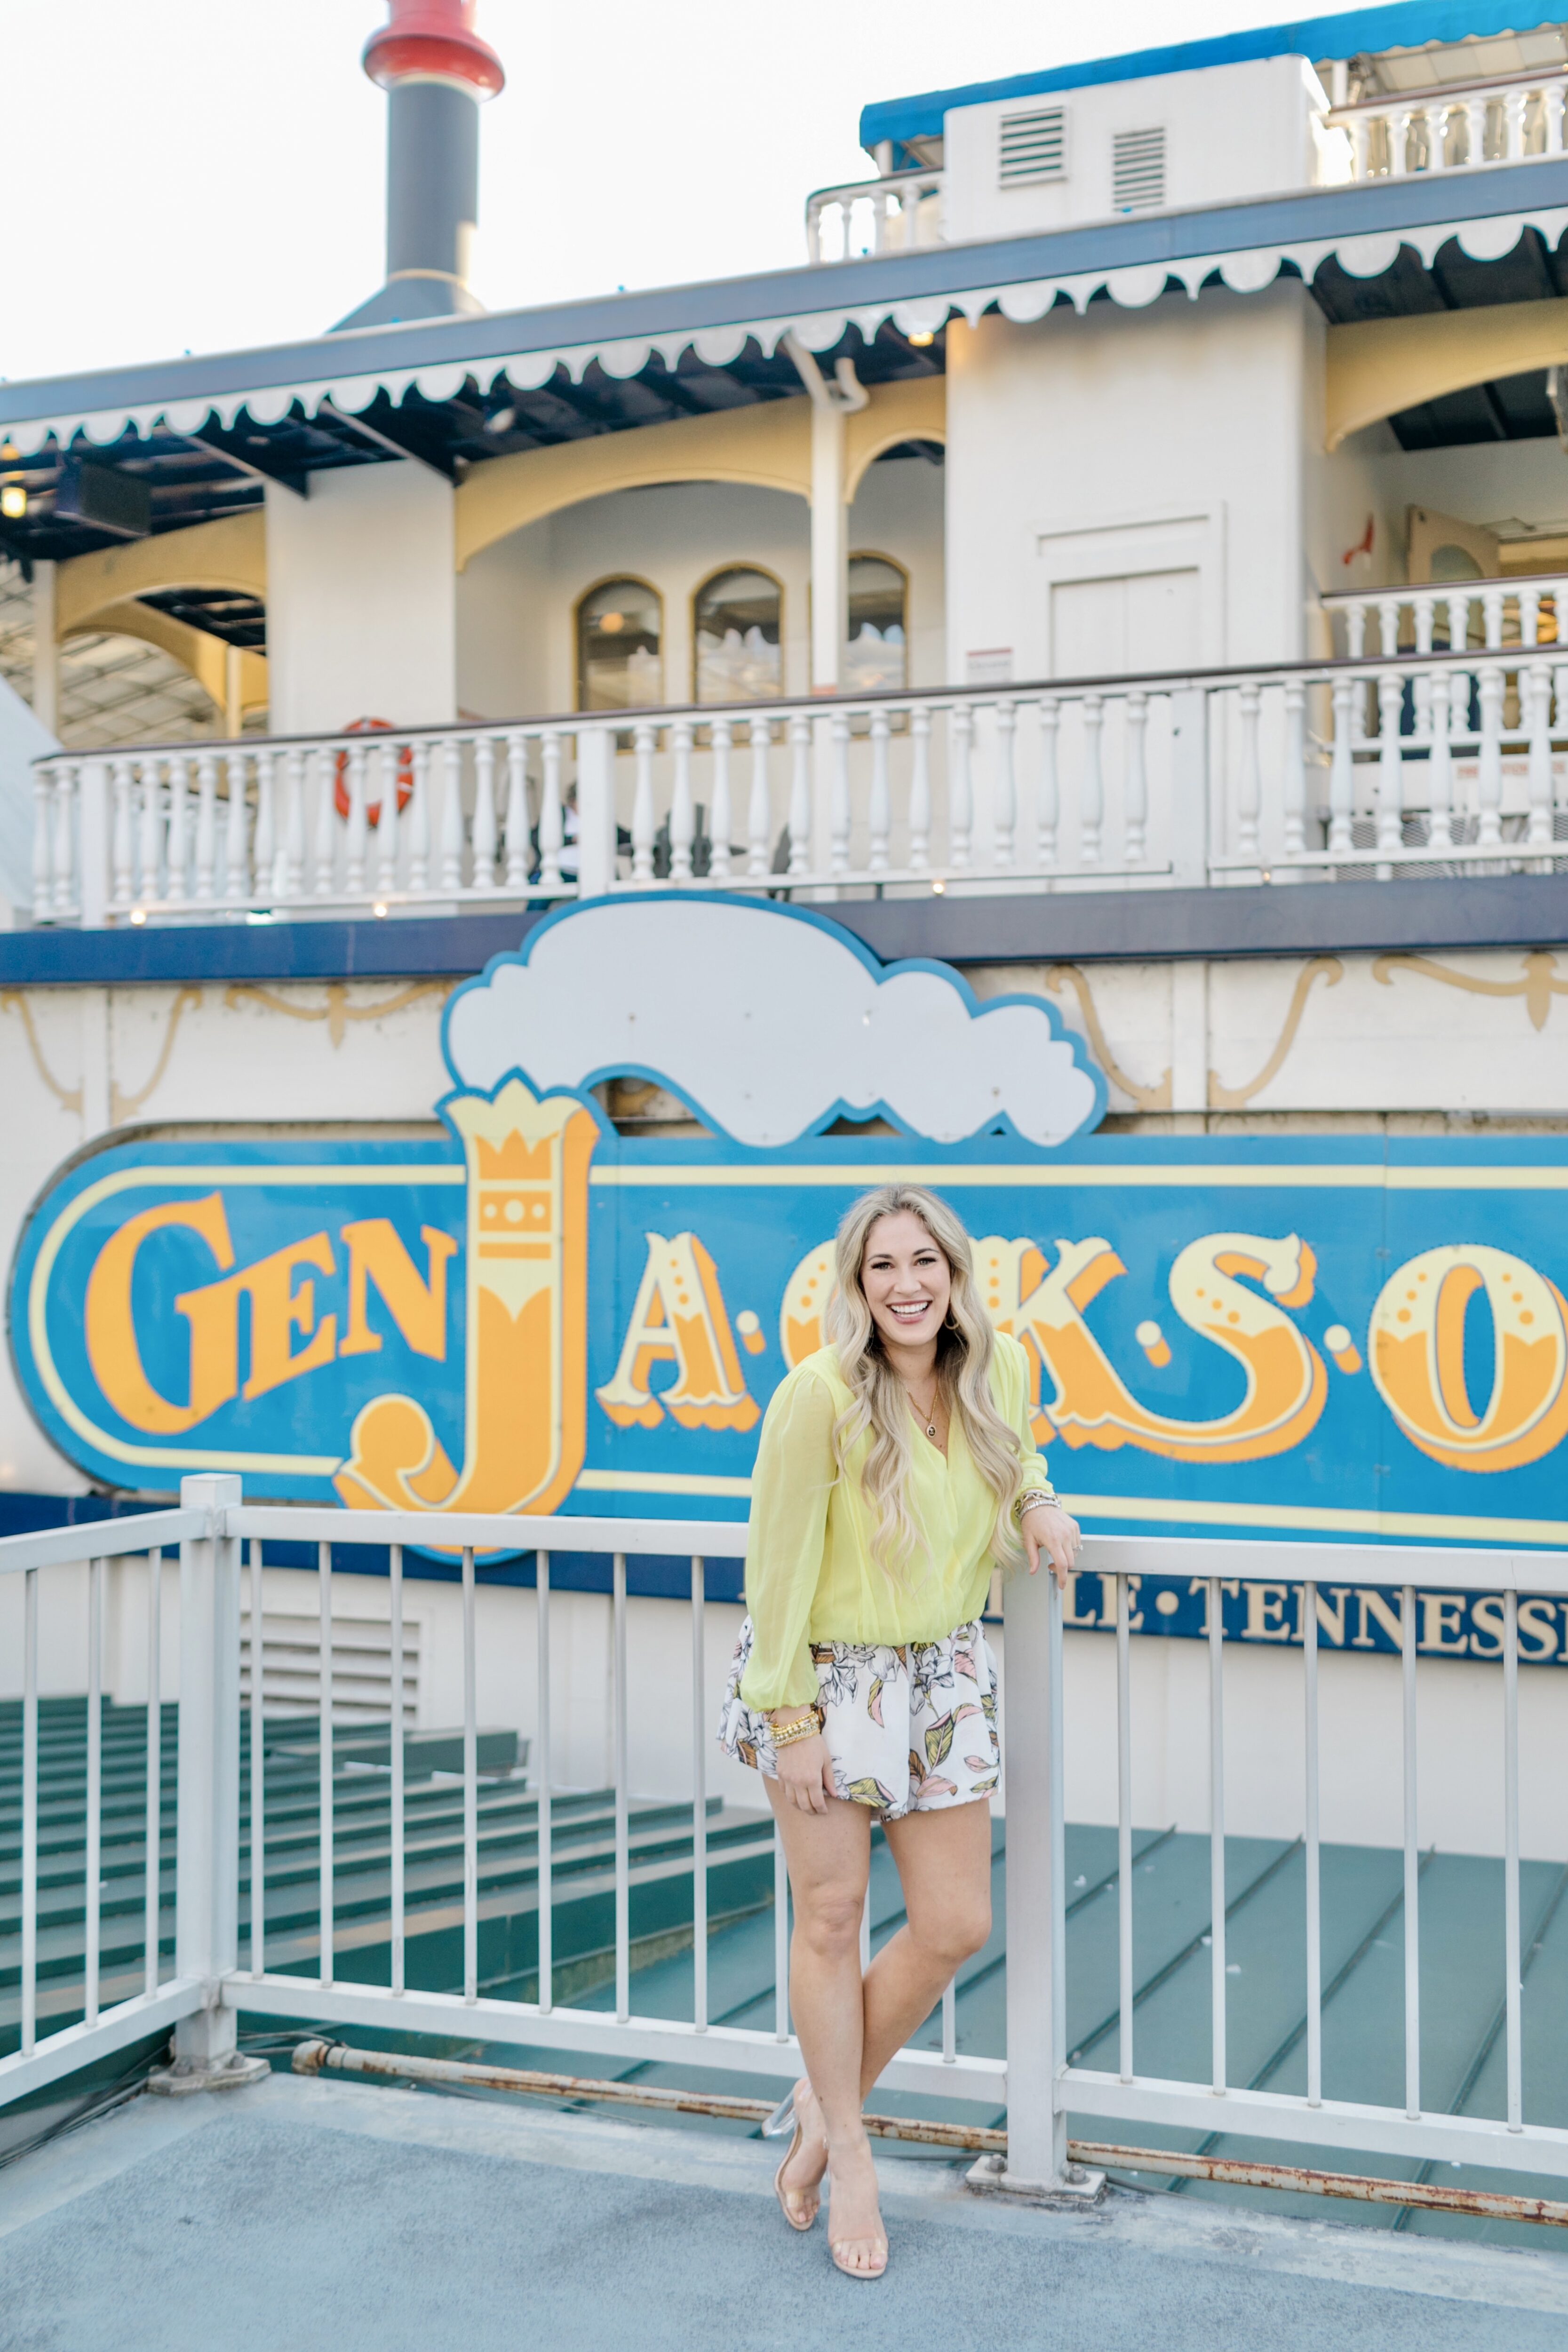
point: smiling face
(907, 1281)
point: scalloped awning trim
(1244, 271)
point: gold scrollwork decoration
(122, 1106)
(1537, 983)
(1155, 1098)
(337, 1012)
(1222, 1097)
(67, 1098)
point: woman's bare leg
(829, 1858)
(944, 1862)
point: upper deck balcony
(1204, 122)
(1435, 744)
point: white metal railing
(1441, 744)
(1460, 128)
(223, 1866)
(892, 215)
(150, 1999)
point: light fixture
(138, 915)
(501, 420)
(14, 502)
(379, 908)
(610, 623)
(937, 886)
(920, 338)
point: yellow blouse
(810, 1573)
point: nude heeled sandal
(782, 2194)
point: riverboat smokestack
(435, 70)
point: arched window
(620, 628)
(737, 634)
(879, 653)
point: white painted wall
(360, 599)
(1130, 444)
(1231, 131)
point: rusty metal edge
(314, 2057)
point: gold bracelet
(1034, 1499)
(802, 1727)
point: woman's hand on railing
(804, 1771)
(1050, 1534)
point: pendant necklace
(928, 1415)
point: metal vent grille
(1137, 170)
(362, 1667)
(1033, 146)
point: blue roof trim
(1322, 918)
(1409, 25)
(1368, 209)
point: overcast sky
(197, 174)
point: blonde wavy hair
(880, 1401)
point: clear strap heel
(781, 2120)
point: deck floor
(325, 2216)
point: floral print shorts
(908, 1730)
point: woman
(895, 1468)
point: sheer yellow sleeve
(1010, 1387)
(790, 1489)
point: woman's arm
(1048, 1531)
(790, 1488)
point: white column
(830, 404)
(232, 710)
(46, 649)
(829, 547)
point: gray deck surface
(325, 2216)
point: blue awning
(1408, 25)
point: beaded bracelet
(803, 1726)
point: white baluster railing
(1440, 730)
(1463, 127)
(894, 215)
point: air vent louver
(1138, 170)
(1033, 146)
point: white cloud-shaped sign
(768, 1022)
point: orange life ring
(404, 773)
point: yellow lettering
(679, 1317)
(1373, 1604)
(1418, 1355)
(1266, 1612)
(417, 1307)
(1069, 1603)
(1538, 1621)
(277, 1311)
(1486, 1617)
(1443, 1618)
(1286, 1384)
(111, 1328)
(1330, 1621)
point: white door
(1137, 621)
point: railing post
(1190, 788)
(206, 1882)
(92, 868)
(1037, 1900)
(596, 811)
